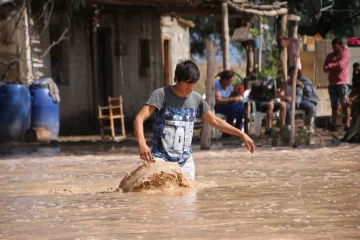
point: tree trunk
(225, 35)
(294, 77)
(283, 51)
(260, 45)
(258, 12)
(211, 49)
(295, 19)
(250, 59)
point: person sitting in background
(226, 103)
(353, 133)
(306, 96)
(356, 75)
(267, 100)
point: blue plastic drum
(14, 111)
(44, 110)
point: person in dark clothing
(353, 133)
(267, 99)
(306, 96)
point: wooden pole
(211, 49)
(225, 35)
(291, 49)
(283, 50)
(294, 77)
(260, 45)
(29, 71)
(250, 59)
(282, 10)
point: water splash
(155, 176)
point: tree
(209, 27)
(25, 19)
(341, 20)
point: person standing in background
(337, 67)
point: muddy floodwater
(274, 193)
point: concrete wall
(78, 106)
(131, 27)
(14, 41)
(322, 49)
(180, 39)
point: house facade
(122, 57)
(175, 34)
(108, 48)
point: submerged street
(281, 193)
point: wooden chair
(108, 114)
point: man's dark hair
(355, 65)
(337, 41)
(292, 68)
(227, 74)
(186, 70)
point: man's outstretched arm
(145, 113)
(227, 128)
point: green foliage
(237, 81)
(255, 32)
(75, 5)
(208, 28)
(204, 28)
(272, 62)
(285, 135)
(274, 137)
(335, 23)
(272, 65)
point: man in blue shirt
(306, 97)
(231, 106)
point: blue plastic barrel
(44, 110)
(14, 111)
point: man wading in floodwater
(176, 108)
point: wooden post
(291, 49)
(283, 50)
(260, 45)
(225, 35)
(29, 73)
(250, 58)
(294, 77)
(94, 70)
(211, 49)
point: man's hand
(347, 102)
(286, 98)
(249, 143)
(238, 98)
(145, 152)
(145, 113)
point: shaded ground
(79, 145)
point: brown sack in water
(157, 175)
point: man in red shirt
(337, 65)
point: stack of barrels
(28, 113)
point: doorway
(104, 65)
(167, 60)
